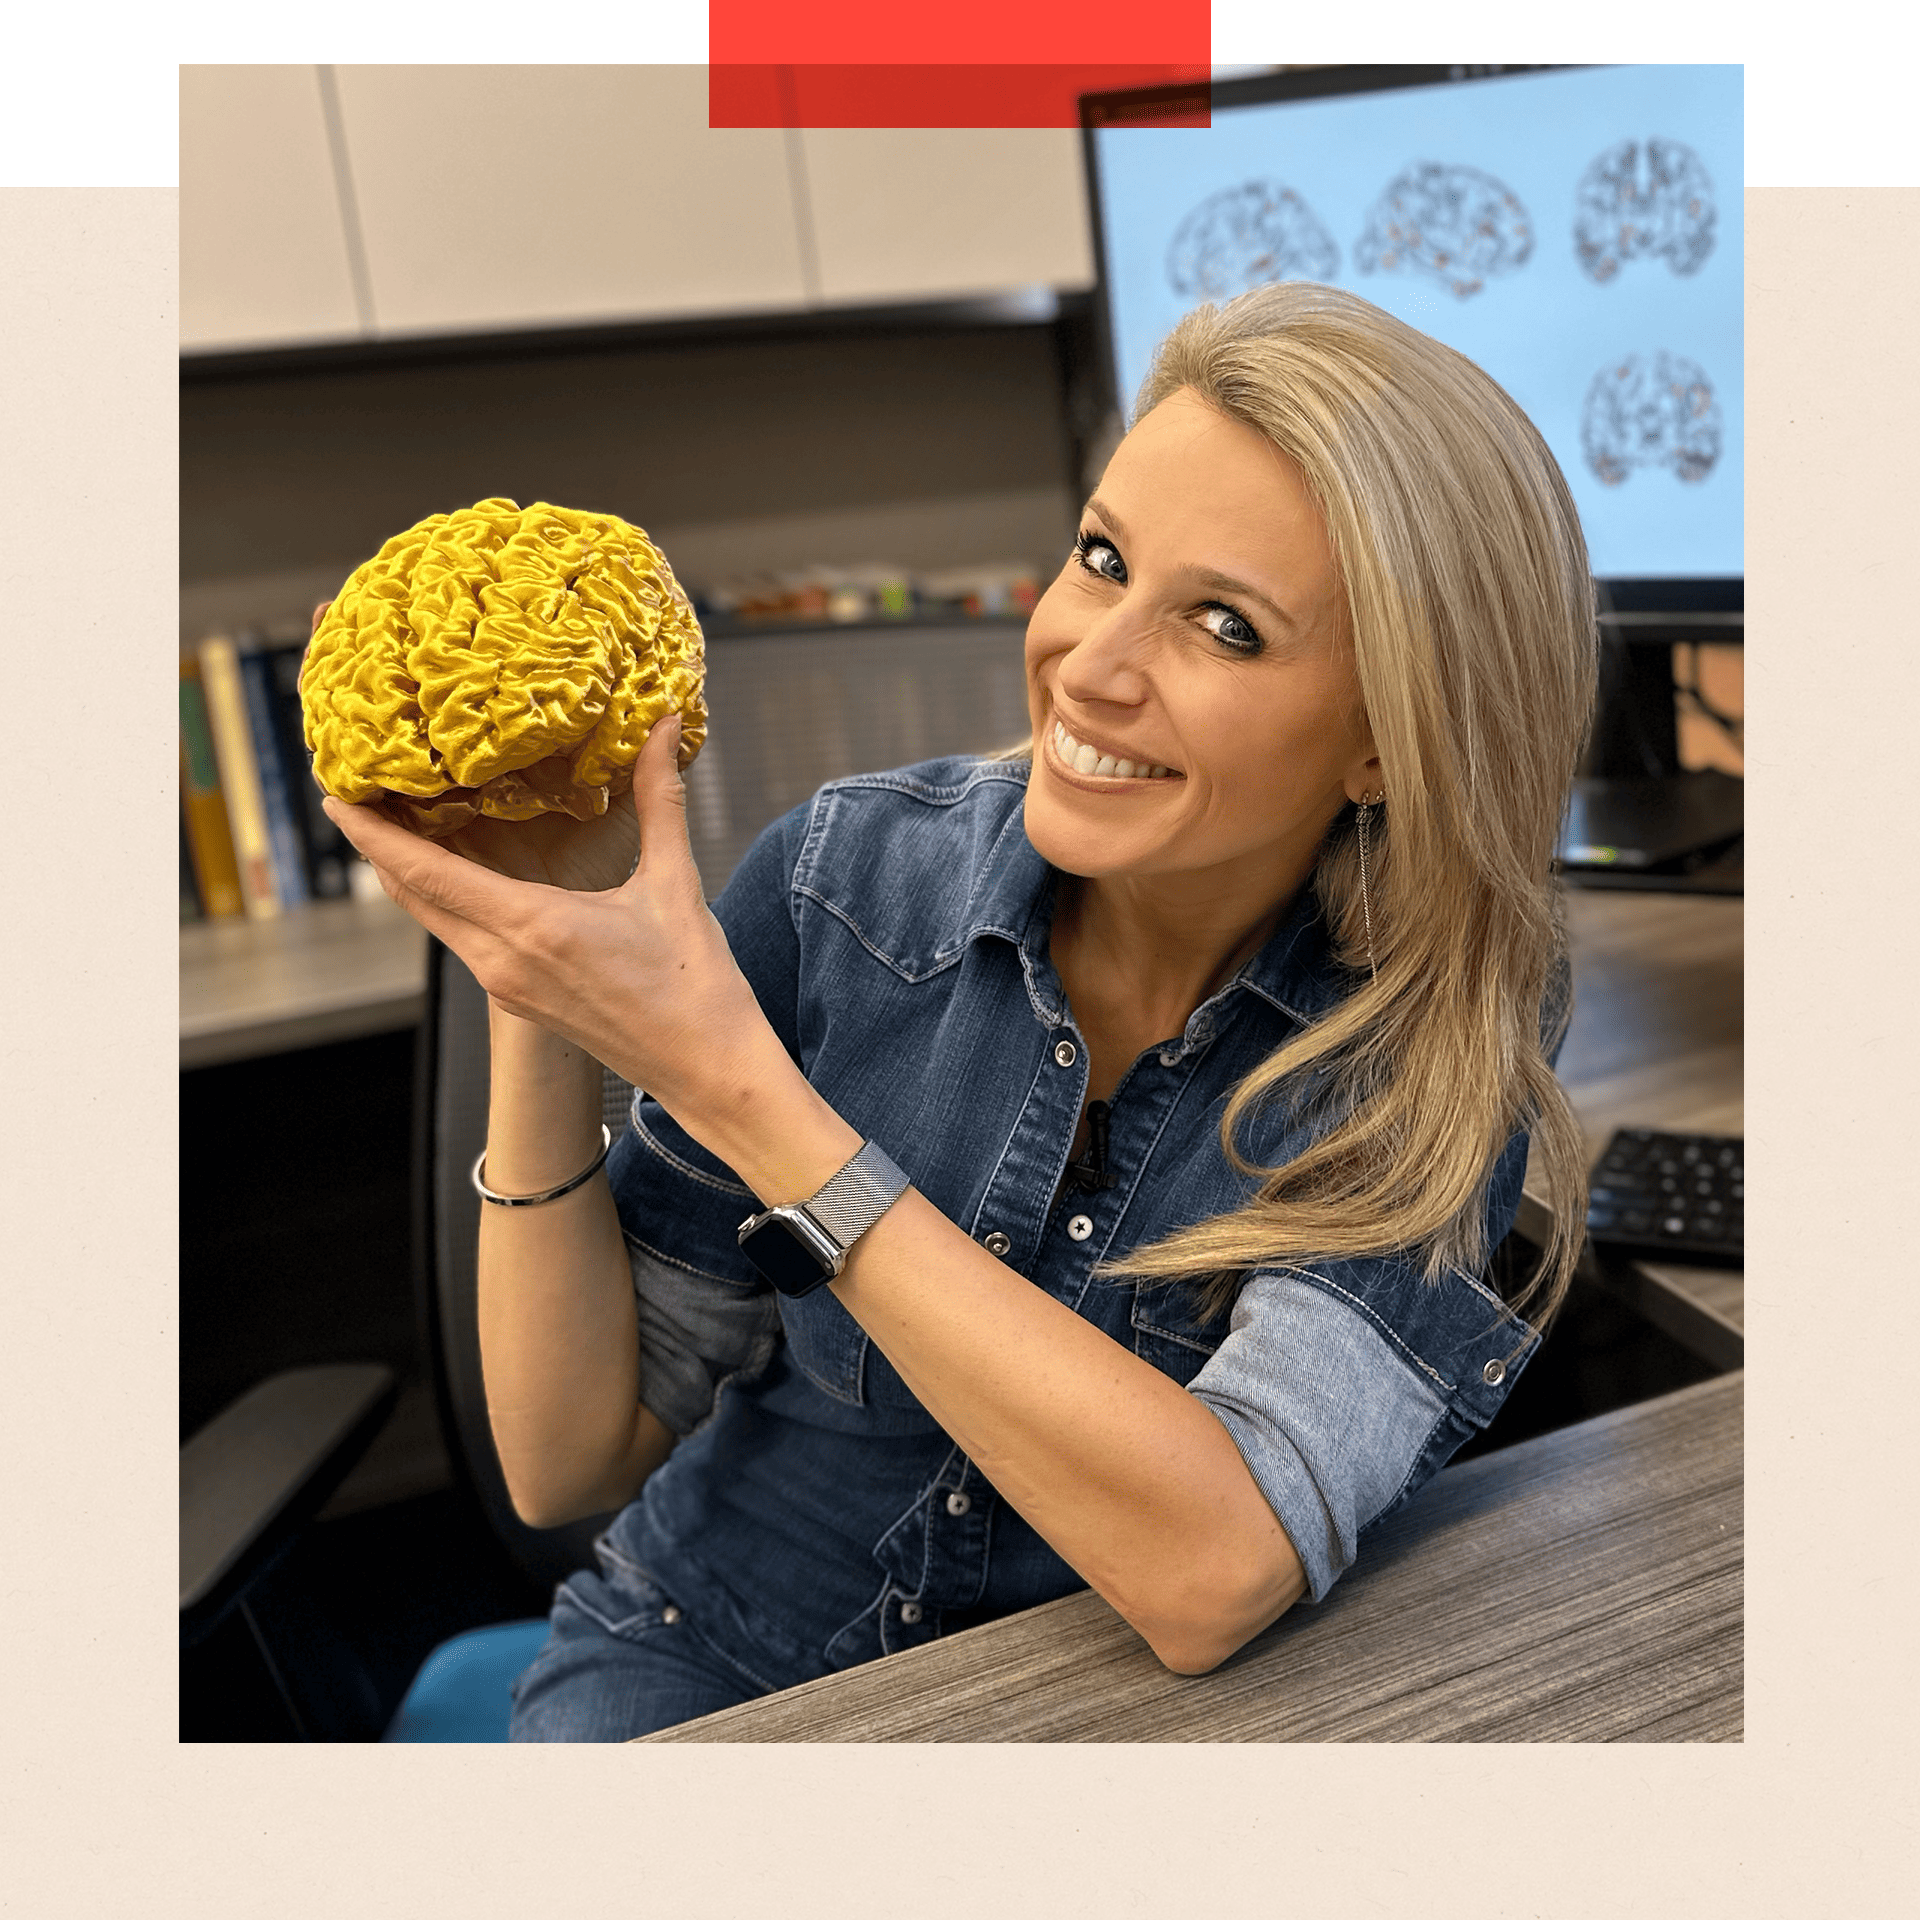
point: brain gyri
(1249, 236)
(1633, 203)
(1456, 225)
(1650, 411)
(501, 661)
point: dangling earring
(1366, 906)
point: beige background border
(101, 1812)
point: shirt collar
(1013, 894)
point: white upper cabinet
(263, 253)
(498, 198)
(927, 213)
(507, 197)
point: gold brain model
(500, 662)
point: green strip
(1826, 95)
(89, 100)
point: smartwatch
(804, 1246)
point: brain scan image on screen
(1248, 236)
(1653, 201)
(1656, 411)
(1455, 224)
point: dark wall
(924, 449)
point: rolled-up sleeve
(1347, 1384)
(695, 1335)
(1330, 1419)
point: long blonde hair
(1470, 608)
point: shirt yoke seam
(941, 963)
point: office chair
(253, 1477)
(791, 712)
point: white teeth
(1084, 759)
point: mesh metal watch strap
(858, 1194)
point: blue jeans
(621, 1660)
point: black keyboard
(1670, 1196)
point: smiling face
(1197, 626)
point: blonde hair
(1470, 609)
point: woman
(1240, 981)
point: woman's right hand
(552, 849)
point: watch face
(782, 1251)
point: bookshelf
(333, 970)
(789, 708)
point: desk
(1656, 1041)
(329, 971)
(1586, 1585)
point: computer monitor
(1576, 231)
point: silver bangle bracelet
(552, 1193)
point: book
(209, 837)
(239, 776)
(277, 793)
(190, 907)
(330, 854)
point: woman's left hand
(639, 975)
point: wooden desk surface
(1658, 1019)
(330, 971)
(1586, 1585)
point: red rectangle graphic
(869, 95)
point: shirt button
(1168, 1058)
(1494, 1372)
(668, 1615)
(959, 1503)
(910, 1613)
(1066, 1053)
(998, 1244)
(1079, 1227)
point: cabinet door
(263, 252)
(917, 213)
(509, 197)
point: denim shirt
(813, 1515)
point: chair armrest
(253, 1476)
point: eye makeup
(1096, 554)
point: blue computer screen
(1577, 233)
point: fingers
(428, 872)
(660, 801)
(666, 730)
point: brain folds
(504, 662)
(1455, 224)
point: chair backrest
(788, 712)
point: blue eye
(1094, 554)
(1101, 558)
(1230, 629)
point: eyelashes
(1094, 553)
(1086, 545)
